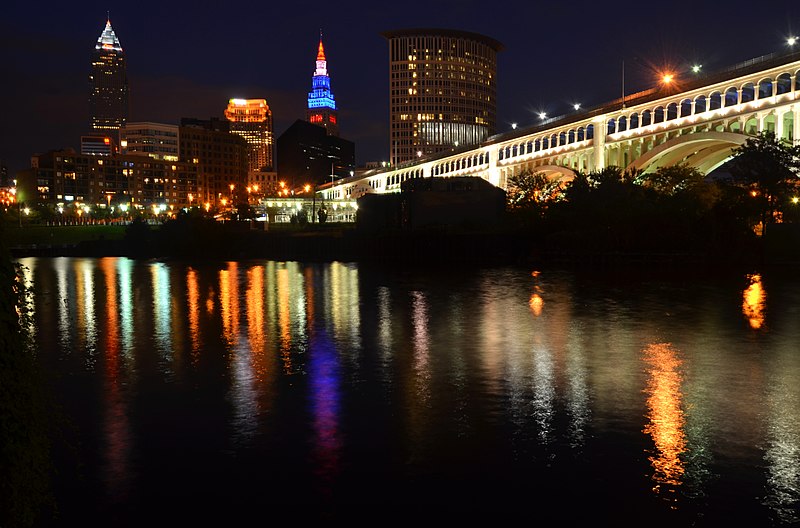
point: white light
(542, 115)
(791, 41)
(576, 106)
(696, 68)
(513, 126)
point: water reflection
(85, 305)
(286, 357)
(162, 314)
(754, 301)
(665, 416)
(782, 453)
(116, 423)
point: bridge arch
(704, 151)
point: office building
(156, 140)
(308, 155)
(220, 156)
(252, 119)
(442, 90)
(98, 145)
(321, 103)
(108, 97)
(67, 177)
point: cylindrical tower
(442, 90)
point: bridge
(698, 123)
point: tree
(770, 167)
(528, 190)
(673, 179)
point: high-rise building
(321, 103)
(252, 119)
(307, 155)
(108, 99)
(442, 90)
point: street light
(791, 41)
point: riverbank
(347, 243)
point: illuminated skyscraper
(321, 103)
(442, 88)
(108, 81)
(252, 119)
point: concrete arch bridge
(698, 123)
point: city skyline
(189, 64)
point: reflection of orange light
(753, 302)
(665, 415)
(536, 304)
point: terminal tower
(321, 104)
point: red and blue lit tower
(321, 104)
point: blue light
(320, 96)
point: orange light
(106, 141)
(667, 78)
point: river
(257, 390)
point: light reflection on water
(666, 419)
(539, 364)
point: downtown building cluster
(442, 93)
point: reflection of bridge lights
(754, 302)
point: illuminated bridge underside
(700, 127)
(705, 151)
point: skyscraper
(321, 103)
(108, 99)
(252, 119)
(442, 89)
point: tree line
(672, 209)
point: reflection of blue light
(324, 378)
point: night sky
(186, 59)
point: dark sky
(186, 59)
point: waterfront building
(442, 91)
(221, 157)
(108, 97)
(156, 140)
(252, 119)
(321, 102)
(67, 177)
(308, 155)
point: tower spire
(321, 103)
